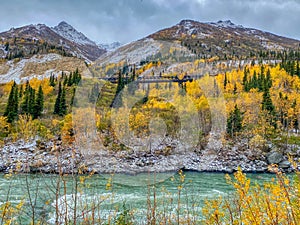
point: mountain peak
(186, 21)
(226, 24)
(67, 31)
(63, 23)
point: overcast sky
(127, 20)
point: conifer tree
(39, 103)
(70, 80)
(267, 103)
(254, 80)
(11, 111)
(73, 100)
(118, 98)
(268, 80)
(63, 104)
(31, 101)
(66, 80)
(295, 122)
(120, 82)
(234, 121)
(58, 100)
(245, 77)
(225, 81)
(21, 92)
(268, 107)
(25, 106)
(52, 80)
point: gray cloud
(128, 20)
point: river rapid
(51, 198)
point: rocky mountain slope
(63, 39)
(39, 66)
(110, 46)
(190, 39)
(39, 51)
(224, 38)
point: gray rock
(284, 164)
(274, 157)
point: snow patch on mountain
(271, 46)
(67, 31)
(226, 24)
(132, 53)
(110, 46)
(16, 69)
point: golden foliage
(275, 202)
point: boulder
(274, 157)
(284, 164)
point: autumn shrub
(274, 202)
(257, 142)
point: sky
(105, 21)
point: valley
(214, 98)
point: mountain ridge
(28, 40)
(207, 39)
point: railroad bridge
(156, 79)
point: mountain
(68, 32)
(189, 40)
(29, 40)
(224, 39)
(110, 46)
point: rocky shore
(51, 157)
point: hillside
(224, 39)
(39, 66)
(190, 40)
(32, 39)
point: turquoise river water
(52, 199)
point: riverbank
(51, 157)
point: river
(106, 197)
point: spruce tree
(234, 121)
(66, 80)
(268, 80)
(73, 100)
(261, 82)
(31, 101)
(225, 81)
(77, 76)
(11, 111)
(39, 103)
(245, 77)
(118, 97)
(58, 100)
(26, 98)
(268, 107)
(70, 80)
(267, 103)
(52, 80)
(254, 80)
(295, 121)
(121, 84)
(21, 92)
(63, 104)
(16, 101)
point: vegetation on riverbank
(273, 202)
(262, 102)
